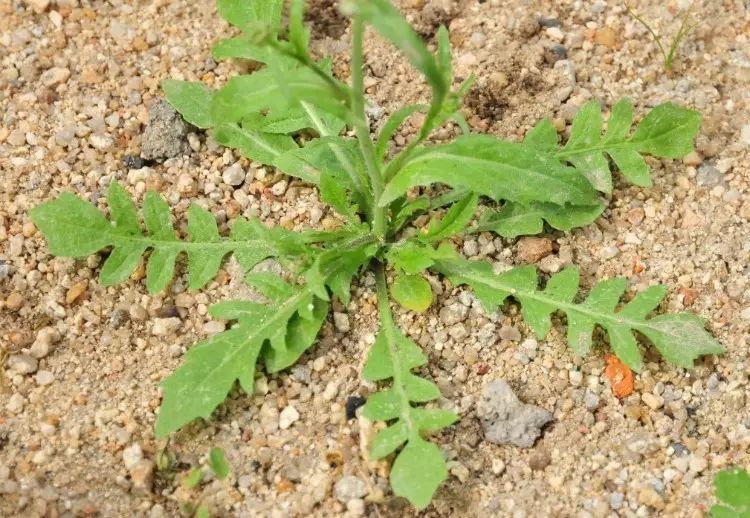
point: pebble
(75, 292)
(590, 400)
(22, 364)
(142, 476)
(14, 302)
(609, 252)
(101, 142)
(506, 420)
(349, 487)
(279, 188)
(4, 270)
(540, 459)
(352, 404)
(233, 175)
(697, 463)
(166, 133)
(708, 176)
(532, 249)
(453, 314)
(132, 455)
(745, 135)
(575, 377)
(653, 401)
(39, 6)
(287, 417)
(15, 403)
(55, 76)
(341, 321)
(510, 333)
(356, 506)
(165, 326)
(44, 378)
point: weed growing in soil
(667, 54)
(733, 491)
(291, 115)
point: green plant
(684, 30)
(291, 115)
(733, 491)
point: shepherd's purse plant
(294, 115)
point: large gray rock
(166, 133)
(506, 420)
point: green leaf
(667, 132)
(75, 228)
(515, 219)
(258, 146)
(192, 479)
(246, 14)
(391, 126)
(419, 467)
(244, 47)
(733, 491)
(680, 338)
(495, 168)
(543, 136)
(192, 100)
(454, 221)
(218, 463)
(300, 336)
(202, 512)
(412, 292)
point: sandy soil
(77, 79)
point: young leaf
(454, 221)
(667, 132)
(218, 463)
(733, 491)
(192, 100)
(412, 292)
(391, 126)
(419, 467)
(192, 478)
(495, 168)
(75, 228)
(259, 146)
(515, 219)
(680, 337)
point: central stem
(362, 127)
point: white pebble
(287, 417)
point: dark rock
(166, 133)
(352, 404)
(549, 22)
(133, 162)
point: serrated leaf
(419, 467)
(192, 100)
(218, 463)
(75, 228)
(300, 336)
(667, 132)
(680, 338)
(488, 166)
(412, 292)
(515, 219)
(733, 491)
(246, 14)
(543, 136)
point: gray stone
(165, 326)
(349, 487)
(506, 420)
(708, 176)
(590, 400)
(4, 270)
(166, 133)
(453, 314)
(233, 175)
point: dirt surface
(77, 79)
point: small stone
(39, 6)
(55, 76)
(279, 188)
(575, 377)
(233, 175)
(44, 378)
(590, 400)
(653, 401)
(348, 488)
(745, 135)
(15, 403)
(102, 142)
(352, 404)
(45, 339)
(510, 333)
(708, 176)
(142, 476)
(341, 321)
(498, 466)
(636, 215)
(453, 314)
(356, 507)
(606, 36)
(693, 158)
(132, 455)
(540, 459)
(14, 302)
(165, 326)
(137, 312)
(22, 364)
(609, 252)
(166, 133)
(532, 249)
(506, 420)
(287, 417)
(697, 463)
(186, 185)
(75, 292)
(648, 496)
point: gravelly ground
(76, 83)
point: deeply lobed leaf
(680, 338)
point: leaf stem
(361, 126)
